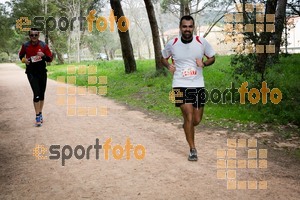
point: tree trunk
(77, 30)
(106, 52)
(139, 52)
(155, 34)
(161, 27)
(196, 20)
(112, 54)
(59, 55)
(149, 48)
(46, 31)
(261, 61)
(126, 46)
(60, 58)
(184, 8)
(279, 25)
(69, 46)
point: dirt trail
(164, 173)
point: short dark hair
(188, 18)
(32, 29)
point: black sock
(37, 115)
(40, 113)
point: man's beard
(187, 35)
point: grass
(144, 89)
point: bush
(282, 75)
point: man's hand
(41, 54)
(171, 68)
(199, 62)
(26, 61)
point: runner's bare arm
(169, 66)
(209, 61)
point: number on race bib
(36, 59)
(189, 72)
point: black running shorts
(195, 96)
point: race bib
(188, 72)
(36, 59)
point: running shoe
(193, 155)
(41, 117)
(38, 121)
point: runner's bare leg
(187, 112)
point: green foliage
(10, 40)
(285, 76)
(243, 66)
(105, 42)
(4, 57)
(282, 75)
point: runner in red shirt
(35, 54)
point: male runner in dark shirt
(35, 54)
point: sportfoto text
(254, 95)
(117, 151)
(63, 23)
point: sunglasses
(34, 35)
